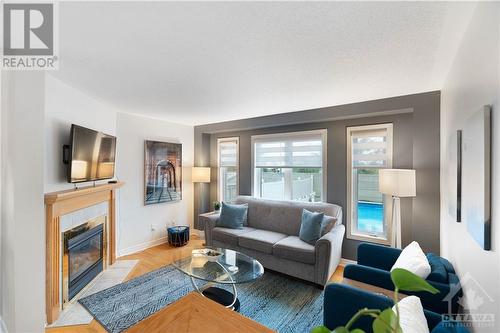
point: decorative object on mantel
(216, 206)
(397, 183)
(162, 172)
(476, 178)
(178, 236)
(59, 204)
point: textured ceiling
(198, 63)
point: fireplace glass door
(85, 258)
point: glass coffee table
(219, 266)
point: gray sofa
(271, 236)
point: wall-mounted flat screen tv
(92, 155)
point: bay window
(369, 149)
(228, 164)
(290, 166)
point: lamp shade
(397, 182)
(200, 175)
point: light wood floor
(149, 260)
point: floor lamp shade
(200, 175)
(397, 183)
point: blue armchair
(341, 302)
(374, 265)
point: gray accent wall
(415, 120)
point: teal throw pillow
(310, 227)
(232, 216)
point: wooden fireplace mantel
(61, 203)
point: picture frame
(162, 172)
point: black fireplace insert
(85, 257)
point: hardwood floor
(149, 260)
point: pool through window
(228, 162)
(369, 149)
(290, 166)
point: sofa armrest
(374, 276)
(208, 222)
(341, 302)
(381, 278)
(377, 256)
(328, 250)
(433, 319)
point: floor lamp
(201, 175)
(398, 183)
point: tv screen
(92, 155)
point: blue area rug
(276, 301)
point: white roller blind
(287, 151)
(228, 153)
(370, 148)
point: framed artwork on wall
(162, 172)
(476, 178)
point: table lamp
(398, 183)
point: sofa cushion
(229, 236)
(232, 216)
(260, 240)
(411, 315)
(293, 248)
(438, 269)
(327, 225)
(413, 259)
(310, 227)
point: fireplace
(84, 256)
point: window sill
(370, 239)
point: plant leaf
(407, 281)
(357, 330)
(386, 322)
(341, 329)
(320, 329)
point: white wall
(65, 105)
(22, 268)
(134, 230)
(472, 82)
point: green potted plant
(216, 206)
(386, 321)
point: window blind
(228, 153)
(370, 149)
(305, 150)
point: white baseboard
(3, 327)
(344, 262)
(141, 247)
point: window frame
(220, 191)
(324, 139)
(352, 232)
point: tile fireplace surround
(66, 210)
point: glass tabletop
(220, 266)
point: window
(369, 149)
(228, 161)
(290, 166)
